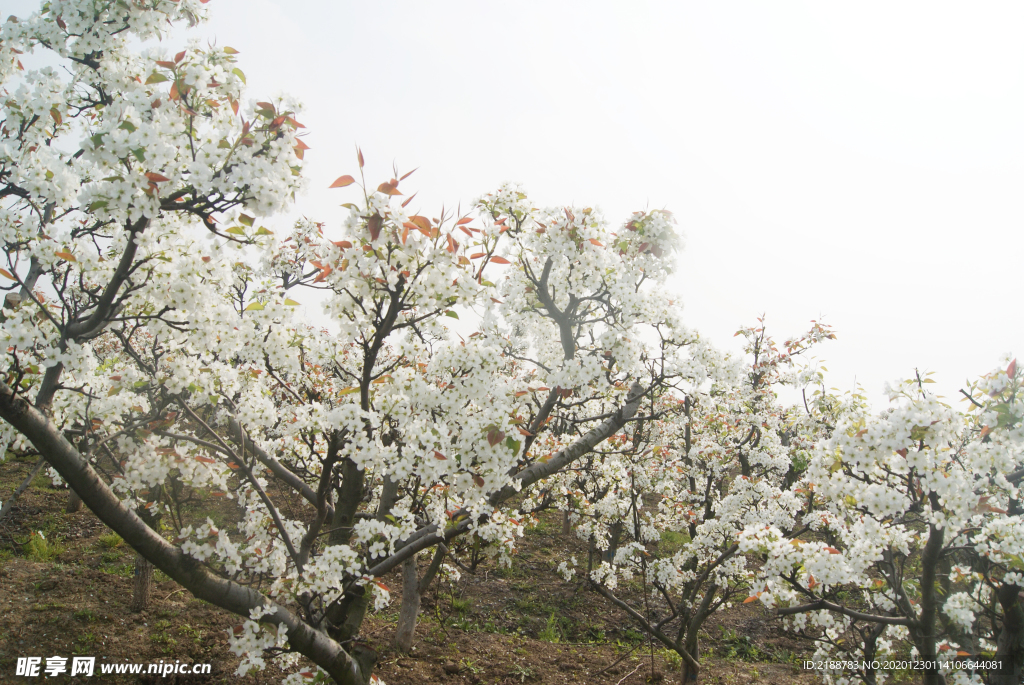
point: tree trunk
(1010, 644)
(143, 588)
(614, 535)
(74, 502)
(566, 523)
(413, 588)
(410, 606)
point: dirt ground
(496, 626)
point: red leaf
(165, 64)
(569, 215)
(500, 260)
(466, 231)
(464, 220)
(479, 481)
(156, 178)
(1011, 370)
(643, 247)
(594, 241)
(421, 222)
(180, 56)
(453, 245)
(752, 598)
(266, 105)
(359, 156)
(6, 274)
(324, 273)
(494, 437)
(374, 225)
(174, 91)
(408, 174)
(388, 188)
(439, 456)
(343, 243)
(206, 460)
(832, 550)
(477, 255)
(342, 181)
(902, 452)
(496, 301)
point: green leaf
(512, 444)
(291, 303)
(264, 231)
(97, 140)
(236, 230)
(238, 72)
(140, 384)
(156, 78)
(99, 204)
(451, 314)
(139, 154)
(245, 219)
(254, 307)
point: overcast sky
(861, 164)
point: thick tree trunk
(413, 588)
(614, 536)
(1010, 644)
(74, 504)
(143, 587)
(688, 671)
(410, 606)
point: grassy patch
(39, 548)
(110, 541)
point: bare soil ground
(497, 626)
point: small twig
(630, 673)
(9, 504)
(619, 660)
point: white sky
(859, 162)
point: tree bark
(1010, 644)
(410, 606)
(143, 586)
(413, 588)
